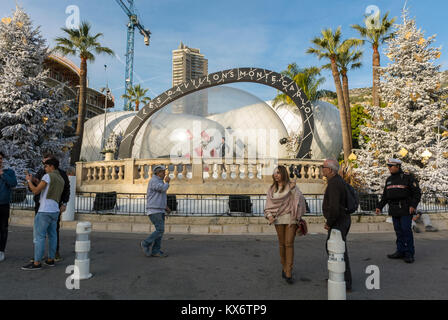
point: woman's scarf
(292, 202)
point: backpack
(352, 199)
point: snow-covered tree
(436, 166)
(31, 112)
(407, 125)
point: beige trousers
(286, 235)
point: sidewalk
(212, 225)
(223, 267)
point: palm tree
(80, 42)
(307, 80)
(348, 58)
(327, 47)
(376, 36)
(136, 94)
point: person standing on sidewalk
(45, 222)
(156, 206)
(334, 209)
(285, 205)
(7, 182)
(402, 193)
(65, 197)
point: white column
(82, 249)
(336, 266)
(69, 213)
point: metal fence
(213, 205)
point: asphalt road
(223, 267)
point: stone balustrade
(197, 176)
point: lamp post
(107, 93)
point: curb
(213, 225)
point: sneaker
(416, 229)
(159, 255)
(2, 256)
(431, 229)
(49, 262)
(57, 257)
(145, 249)
(396, 255)
(32, 266)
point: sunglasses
(391, 165)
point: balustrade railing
(139, 171)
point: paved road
(223, 267)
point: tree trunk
(347, 105)
(137, 103)
(76, 152)
(341, 107)
(375, 65)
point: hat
(158, 168)
(394, 162)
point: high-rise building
(189, 64)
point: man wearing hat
(402, 194)
(156, 206)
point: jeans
(405, 238)
(36, 209)
(45, 223)
(158, 219)
(4, 217)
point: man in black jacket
(402, 194)
(334, 210)
(64, 197)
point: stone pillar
(129, 171)
(79, 174)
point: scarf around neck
(292, 202)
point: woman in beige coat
(285, 205)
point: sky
(232, 33)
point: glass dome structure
(327, 137)
(93, 138)
(194, 125)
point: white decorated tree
(406, 127)
(31, 112)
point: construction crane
(132, 24)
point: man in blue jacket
(7, 182)
(156, 206)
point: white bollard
(82, 249)
(69, 213)
(336, 266)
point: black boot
(396, 255)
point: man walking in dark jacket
(7, 182)
(65, 197)
(402, 194)
(334, 210)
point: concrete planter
(108, 156)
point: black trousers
(36, 209)
(343, 224)
(4, 217)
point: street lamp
(107, 94)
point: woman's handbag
(302, 228)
